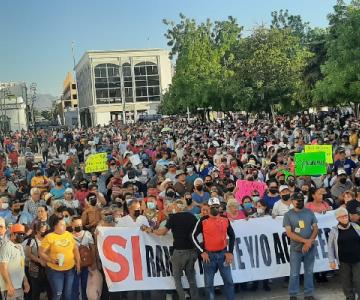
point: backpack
(86, 259)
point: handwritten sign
(246, 187)
(96, 163)
(313, 163)
(321, 148)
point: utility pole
(33, 87)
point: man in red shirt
(216, 253)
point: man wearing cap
(353, 207)
(342, 184)
(284, 205)
(216, 253)
(301, 227)
(344, 163)
(13, 276)
(18, 216)
(180, 186)
(199, 195)
(344, 250)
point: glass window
(140, 83)
(107, 82)
(153, 80)
(152, 70)
(102, 93)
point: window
(107, 83)
(147, 81)
(73, 86)
(74, 96)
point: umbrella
(166, 129)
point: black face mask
(59, 183)
(230, 188)
(299, 204)
(170, 194)
(93, 202)
(343, 225)
(189, 201)
(16, 210)
(214, 211)
(119, 204)
(291, 183)
(43, 234)
(273, 191)
(19, 238)
(38, 174)
(77, 228)
(199, 188)
(255, 176)
(285, 197)
(342, 180)
(209, 183)
(324, 196)
(282, 182)
(136, 213)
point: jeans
(61, 283)
(350, 279)
(296, 257)
(81, 278)
(217, 262)
(184, 260)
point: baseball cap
(353, 207)
(283, 187)
(69, 190)
(214, 201)
(297, 197)
(341, 172)
(198, 180)
(341, 212)
(17, 228)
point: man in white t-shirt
(282, 206)
(134, 218)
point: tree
(341, 83)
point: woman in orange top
(61, 254)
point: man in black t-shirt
(181, 224)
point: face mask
(343, 180)
(77, 228)
(291, 183)
(285, 197)
(255, 176)
(273, 191)
(256, 198)
(59, 183)
(230, 188)
(214, 211)
(4, 205)
(43, 234)
(299, 204)
(208, 183)
(93, 202)
(16, 210)
(19, 238)
(189, 170)
(38, 173)
(189, 201)
(260, 211)
(199, 188)
(67, 220)
(324, 196)
(343, 225)
(119, 204)
(248, 206)
(151, 205)
(108, 218)
(282, 182)
(137, 213)
(170, 194)
(117, 219)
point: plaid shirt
(32, 206)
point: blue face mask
(151, 205)
(248, 206)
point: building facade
(13, 109)
(113, 85)
(68, 101)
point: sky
(36, 35)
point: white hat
(69, 190)
(198, 180)
(283, 187)
(341, 212)
(341, 172)
(214, 201)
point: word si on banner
(134, 260)
(321, 148)
(96, 163)
(246, 187)
(313, 163)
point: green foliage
(341, 83)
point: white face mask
(4, 205)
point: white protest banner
(133, 260)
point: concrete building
(68, 101)
(13, 106)
(106, 78)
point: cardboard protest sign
(246, 187)
(313, 163)
(96, 163)
(321, 148)
(135, 260)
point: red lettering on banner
(136, 256)
(116, 258)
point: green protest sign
(313, 163)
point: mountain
(44, 101)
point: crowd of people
(173, 176)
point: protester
(216, 253)
(344, 251)
(282, 207)
(301, 227)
